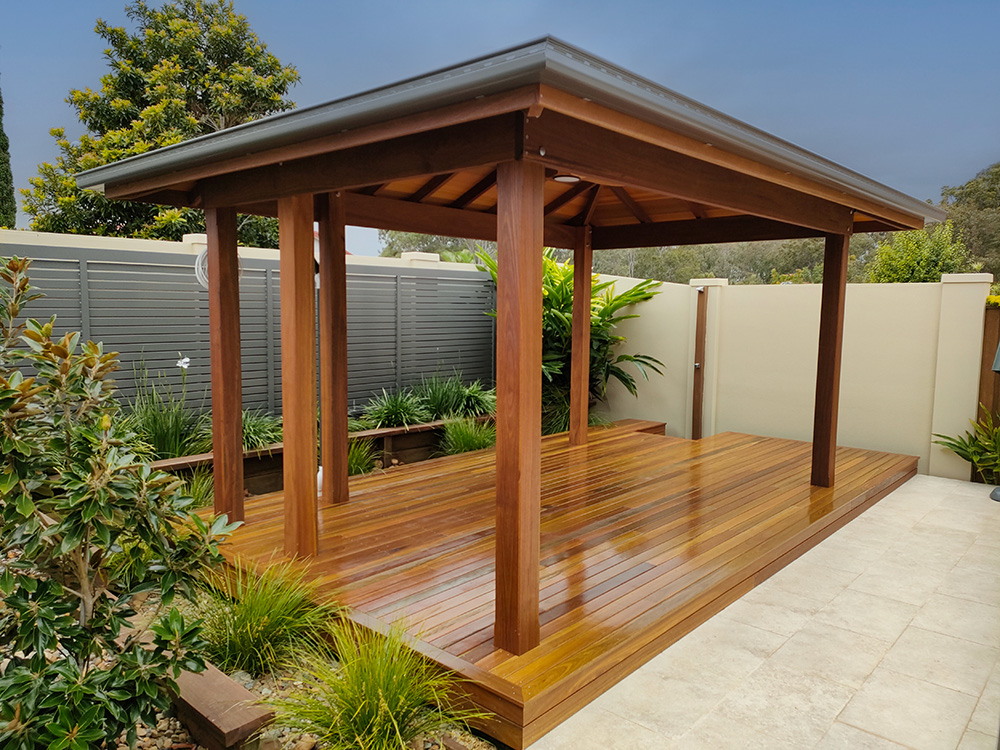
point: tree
(920, 255)
(86, 527)
(8, 208)
(394, 244)
(189, 68)
(975, 210)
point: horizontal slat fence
(403, 323)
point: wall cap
(967, 278)
(708, 282)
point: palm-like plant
(981, 447)
(607, 310)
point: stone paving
(884, 636)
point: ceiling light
(566, 178)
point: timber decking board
(643, 537)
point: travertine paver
(885, 636)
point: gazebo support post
(330, 213)
(520, 228)
(831, 338)
(579, 392)
(298, 372)
(227, 386)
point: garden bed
(262, 468)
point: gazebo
(538, 145)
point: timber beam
(474, 144)
(603, 156)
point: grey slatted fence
(403, 323)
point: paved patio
(886, 635)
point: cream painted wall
(910, 363)
(665, 330)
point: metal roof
(547, 61)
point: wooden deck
(643, 537)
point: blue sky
(905, 92)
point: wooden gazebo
(538, 145)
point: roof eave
(546, 61)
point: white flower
(183, 362)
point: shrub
(397, 409)
(443, 397)
(361, 455)
(201, 486)
(981, 447)
(381, 696)
(260, 430)
(357, 425)
(606, 312)
(255, 622)
(920, 255)
(479, 400)
(73, 496)
(555, 413)
(161, 418)
(463, 435)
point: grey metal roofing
(546, 61)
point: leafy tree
(394, 244)
(190, 68)
(920, 255)
(8, 208)
(85, 528)
(607, 311)
(975, 209)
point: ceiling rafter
(430, 187)
(566, 197)
(698, 210)
(630, 203)
(584, 217)
(476, 191)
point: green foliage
(357, 425)
(467, 434)
(606, 312)
(201, 486)
(479, 400)
(162, 419)
(975, 210)
(556, 412)
(189, 68)
(920, 255)
(260, 430)
(981, 447)
(772, 261)
(381, 696)
(255, 622)
(73, 495)
(397, 409)
(361, 455)
(8, 208)
(443, 397)
(454, 249)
